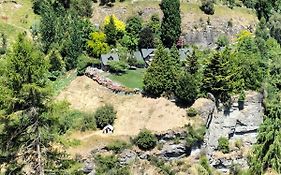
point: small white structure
(108, 129)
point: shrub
(205, 164)
(117, 66)
(83, 62)
(222, 41)
(191, 112)
(110, 165)
(238, 143)
(145, 140)
(105, 115)
(165, 169)
(118, 146)
(223, 145)
(187, 88)
(207, 7)
(194, 136)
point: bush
(222, 41)
(205, 164)
(194, 136)
(191, 112)
(68, 119)
(105, 115)
(223, 145)
(146, 140)
(208, 7)
(117, 66)
(118, 146)
(187, 88)
(83, 62)
(110, 165)
(165, 169)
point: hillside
(195, 27)
(15, 17)
(18, 17)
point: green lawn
(131, 79)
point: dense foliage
(223, 145)
(110, 165)
(105, 115)
(171, 22)
(145, 140)
(26, 128)
(161, 76)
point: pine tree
(217, 76)
(134, 26)
(161, 76)
(267, 151)
(192, 66)
(110, 32)
(171, 23)
(26, 83)
(146, 38)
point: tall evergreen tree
(110, 32)
(25, 78)
(217, 76)
(59, 26)
(267, 151)
(134, 26)
(146, 38)
(171, 23)
(161, 76)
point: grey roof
(184, 52)
(137, 55)
(105, 58)
(147, 52)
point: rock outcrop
(236, 125)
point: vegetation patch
(223, 145)
(105, 115)
(130, 79)
(145, 140)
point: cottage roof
(184, 52)
(147, 52)
(105, 58)
(137, 55)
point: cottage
(108, 129)
(106, 58)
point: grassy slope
(190, 11)
(20, 17)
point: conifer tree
(171, 23)
(267, 151)
(161, 76)
(25, 81)
(217, 76)
(110, 32)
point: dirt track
(133, 112)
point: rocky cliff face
(238, 125)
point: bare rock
(127, 156)
(173, 151)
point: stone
(127, 156)
(173, 151)
(235, 125)
(89, 167)
(143, 155)
(205, 108)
